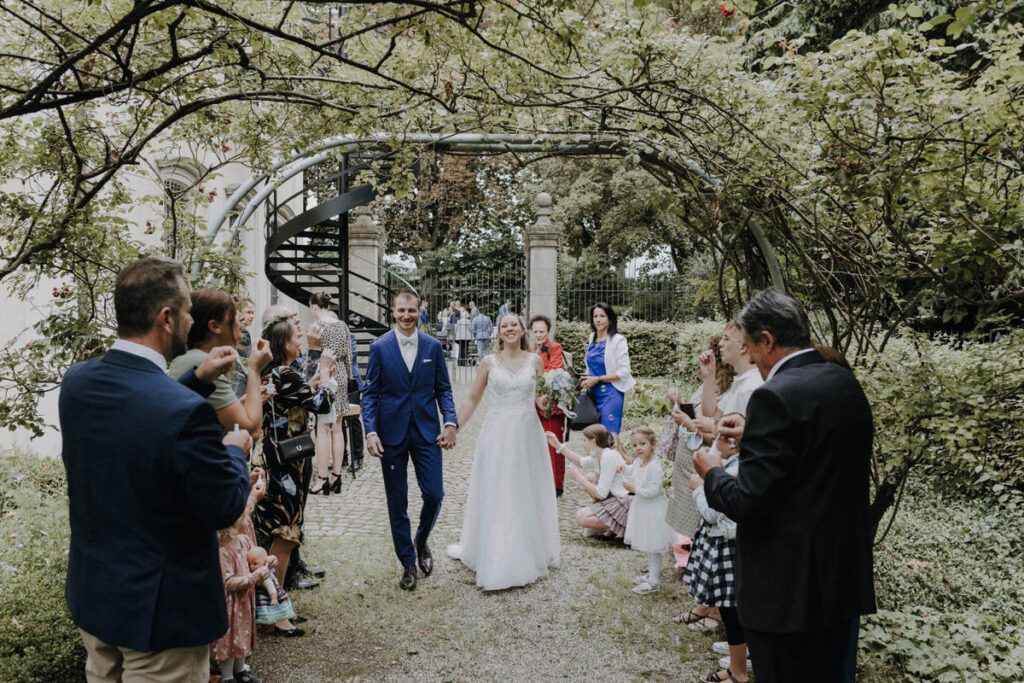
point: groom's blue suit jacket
(396, 400)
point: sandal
(689, 617)
(704, 624)
(716, 677)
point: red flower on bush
(728, 9)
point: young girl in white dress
(646, 529)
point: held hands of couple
(446, 439)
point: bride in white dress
(510, 529)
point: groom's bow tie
(407, 341)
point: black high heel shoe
(324, 488)
(336, 485)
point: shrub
(953, 409)
(949, 591)
(38, 641)
(655, 349)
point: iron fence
(651, 298)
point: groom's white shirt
(408, 346)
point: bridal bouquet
(559, 388)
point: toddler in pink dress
(231, 649)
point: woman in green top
(216, 323)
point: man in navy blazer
(800, 501)
(151, 477)
(406, 384)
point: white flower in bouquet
(558, 387)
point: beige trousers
(113, 664)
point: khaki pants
(112, 664)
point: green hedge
(655, 349)
(38, 641)
(956, 408)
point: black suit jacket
(801, 500)
(149, 482)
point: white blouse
(616, 361)
(609, 479)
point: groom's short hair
(405, 294)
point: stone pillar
(541, 244)
(365, 256)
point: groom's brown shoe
(408, 582)
(425, 559)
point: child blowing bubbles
(646, 529)
(231, 649)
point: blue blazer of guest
(396, 400)
(149, 483)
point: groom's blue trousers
(426, 459)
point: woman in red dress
(551, 353)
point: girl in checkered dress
(711, 571)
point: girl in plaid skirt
(711, 572)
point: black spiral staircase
(307, 242)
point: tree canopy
(870, 160)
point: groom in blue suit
(406, 385)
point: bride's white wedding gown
(510, 529)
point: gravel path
(580, 623)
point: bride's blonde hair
(525, 343)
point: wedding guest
(609, 374)
(801, 499)
(215, 323)
(646, 530)
(299, 575)
(552, 418)
(505, 308)
(273, 606)
(330, 432)
(682, 514)
(463, 334)
(609, 512)
(278, 518)
(424, 318)
(151, 477)
(231, 649)
(323, 423)
(247, 315)
(482, 330)
(711, 571)
(353, 419)
(734, 353)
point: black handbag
(585, 412)
(294, 447)
(354, 396)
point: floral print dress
(279, 514)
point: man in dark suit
(150, 479)
(406, 383)
(804, 564)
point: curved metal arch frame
(579, 145)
